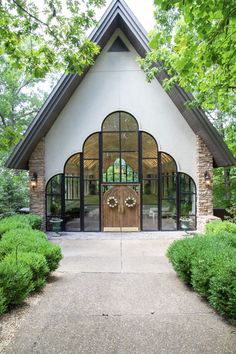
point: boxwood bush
(37, 264)
(3, 302)
(217, 227)
(16, 281)
(31, 241)
(208, 264)
(26, 258)
(19, 221)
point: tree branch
(35, 18)
(3, 120)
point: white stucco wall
(114, 83)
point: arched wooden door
(121, 208)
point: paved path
(120, 296)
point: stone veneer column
(37, 194)
(204, 193)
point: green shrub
(19, 221)
(207, 264)
(218, 227)
(16, 281)
(31, 241)
(15, 239)
(37, 264)
(3, 302)
(7, 225)
(181, 253)
(223, 289)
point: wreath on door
(130, 202)
(112, 202)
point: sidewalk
(120, 296)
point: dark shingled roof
(118, 15)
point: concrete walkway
(118, 294)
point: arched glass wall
(121, 154)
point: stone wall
(204, 193)
(37, 194)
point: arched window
(150, 182)
(120, 148)
(72, 193)
(91, 183)
(187, 202)
(168, 192)
(54, 202)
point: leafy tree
(195, 41)
(20, 98)
(48, 36)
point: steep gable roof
(118, 15)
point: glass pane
(150, 188)
(111, 167)
(72, 188)
(186, 184)
(187, 203)
(54, 205)
(167, 163)
(129, 141)
(72, 167)
(91, 217)
(91, 192)
(150, 217)
(91, 169)
(169, 185)
(54, 185)
(130, 159)
(149, 146)
(128, 122)
(72, 215)
(149, 168)
(91, 147)
(150, 210)
(112, 122)
(111, 142)
(168, 211)
(127, 173)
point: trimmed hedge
(26, 258)
(19, 221)
(208, 264)
(217, 227)
(16, 281)
(31, 241)
(3, 302)
(37, 264)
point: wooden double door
(121, 208)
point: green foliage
(181, 254)
(6, 225)
(220, 227)
(3, 301)
(208, 263)
(36, 262)
(15, 280)
(195, 41)
(223, 289)
(31, 241)
(49, 37)
(34, 221)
